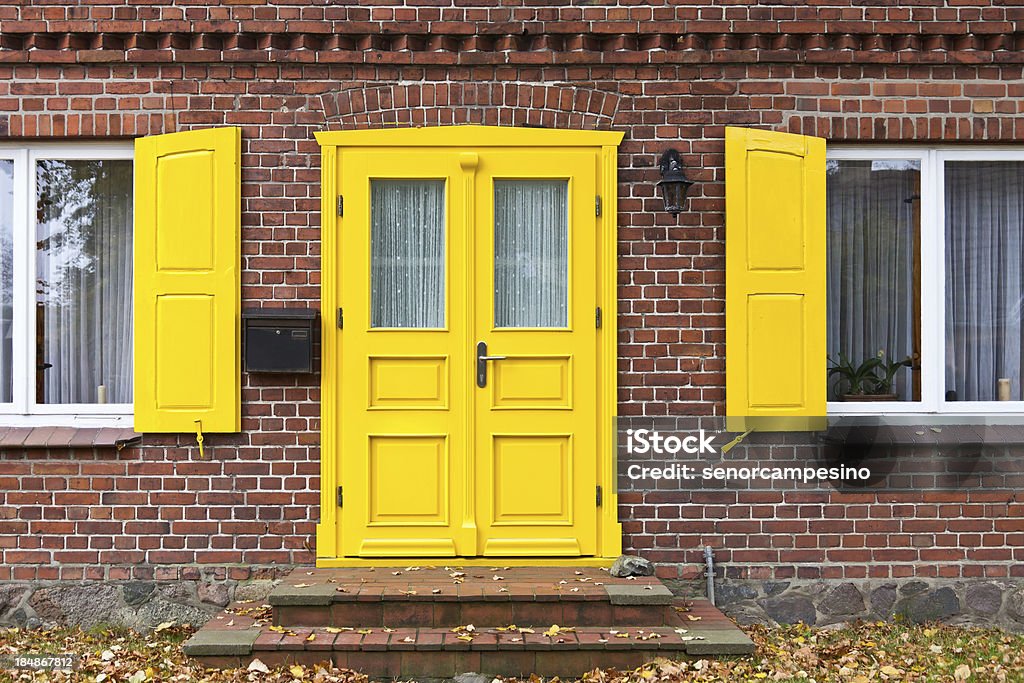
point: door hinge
(597, 205)
(597, 318)
(341, 205)
(340, 498)
(341, 319)
(600, 497)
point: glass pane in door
(407, 253)
(531, 253)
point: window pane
(84, 281)
(407, 253)
(984, 279)
(6, 277)
(873, 213)
(531, 258)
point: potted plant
(871, 380)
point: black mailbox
(279, 339)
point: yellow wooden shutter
(187, 291)
(775, 279)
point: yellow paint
(775, 280)
(432, 465)
(187, 286)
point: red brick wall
(667, 75)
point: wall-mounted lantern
(673, 184)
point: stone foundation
(822, 603)
(139, 605)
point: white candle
(101, 394)
(1004, 389)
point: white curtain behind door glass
(870, 215)
(407, 253)
(6, 277)
(84, 281)
(531, 253)
(984, 278)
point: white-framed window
(66, 284)
(926, 266)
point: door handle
(481, 363)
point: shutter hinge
(597, 317)
(341, 319)
(600, 497)
(340, 498)
(341, 205)
(597, 205)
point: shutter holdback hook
(199, 437)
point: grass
(863, 652)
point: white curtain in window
(870, 216)
(6, 278)
(984, 278)
(531, 253)
(407, 253)
(84, 281)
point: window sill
(16, 438)
(945, 430)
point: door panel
(403, 421)
(536, 446)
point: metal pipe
(709, 572)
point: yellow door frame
(468, 138)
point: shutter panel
(187, 286)
(775, 280)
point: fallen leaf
(311, 637)
(297, 671)
(365, 631)
(962, 673)
(303, 585)
(257, 665)
(163, 627)
(890, 670)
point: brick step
(433, 597)
(234, 638)
(428, 614)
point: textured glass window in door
(84, 281)
(407, 286)
(531, 253)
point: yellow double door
(468, 352)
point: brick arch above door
(448, 103)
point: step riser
(426, 665)
(451, 614)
